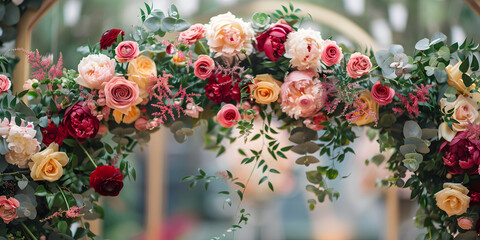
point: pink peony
(332, 53)
(304, 47)
(228, 115)
(301, 95)
(126, 51)
(8, 209)
(204, 67)
(95, 70)
(462, 154)
(121, 94)
(5, 83)
(192, 34)
(358, 65)
(273, 40)
(381, 94)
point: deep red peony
(52, 133)
(219, 89)
(273, 40)
(106, 180)
(80, 123)
(474, 193)
(462, 154)
(109, 37)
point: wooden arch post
(24, 41)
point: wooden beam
(24, 39)
(475, 5)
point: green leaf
(464, 66)
(377, 159)
(240, 184)
(153, 23)
(423, 44)
(270, 185)
(274, 171)
(467, 80)
(332, 173)
(240, 194)
(314, 177)
(62, 226)
(264, 178)
(12, 15)
(474, 66)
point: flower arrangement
(67, 147)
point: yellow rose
(48, 164)
(267, 89)
(455, 79)
(132, 115)
(464, 112)
(453, 199)
(140, 70)
(368, 106)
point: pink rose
(227, 115)
(465, 223)
(381, 94)
(141, 124)
(192, 34)
(126, 51)
(8, 209)
(121, 94)
(204, 67)
(5, 83)
(332, 53)
(358, 65)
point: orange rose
(368, 106)
(131, 116)
(141, 70)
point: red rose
(272, 41)
(53, 134)
(80, 123)
(106, 180)
(381, 94)
(219, 89)
(109, 37)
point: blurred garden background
(193, 214)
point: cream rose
(228, 35)
(266, 90)
(95, 71)
(464, 112)
(304, 47)
(453, 199)
(48, 164)
(455, 79)
(141, 70)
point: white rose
(304, 47)
(228, 35)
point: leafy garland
(419, 108)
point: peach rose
(141, 70)
(22, 143)
(228, 35)
(304, 47)
(8, 209)
(266, 90)
(5, 83)
(455, 79)
(465, 223)
(95, 71)
(464, 112)
(126, 51)
(48, 164)
(129, 117)
(368, 111)
(358, 65)
(192, 34)
(302, 95)
(204, 67)
(227, 115)
(453, 199)
(332, 53)
(121, 94)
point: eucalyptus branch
(88, 155)
(63, 195)
(28, 231)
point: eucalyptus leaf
(423, 44)
(411, 164)
(377, 159)
(307, 147)
(412, 129)
(306, 160)
(438, 37)
(407, 148)
(12, 14)
(153, 23)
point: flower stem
(28, 231)
(13, 173)
(203, 47)
(88, 155)
(64, 197)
